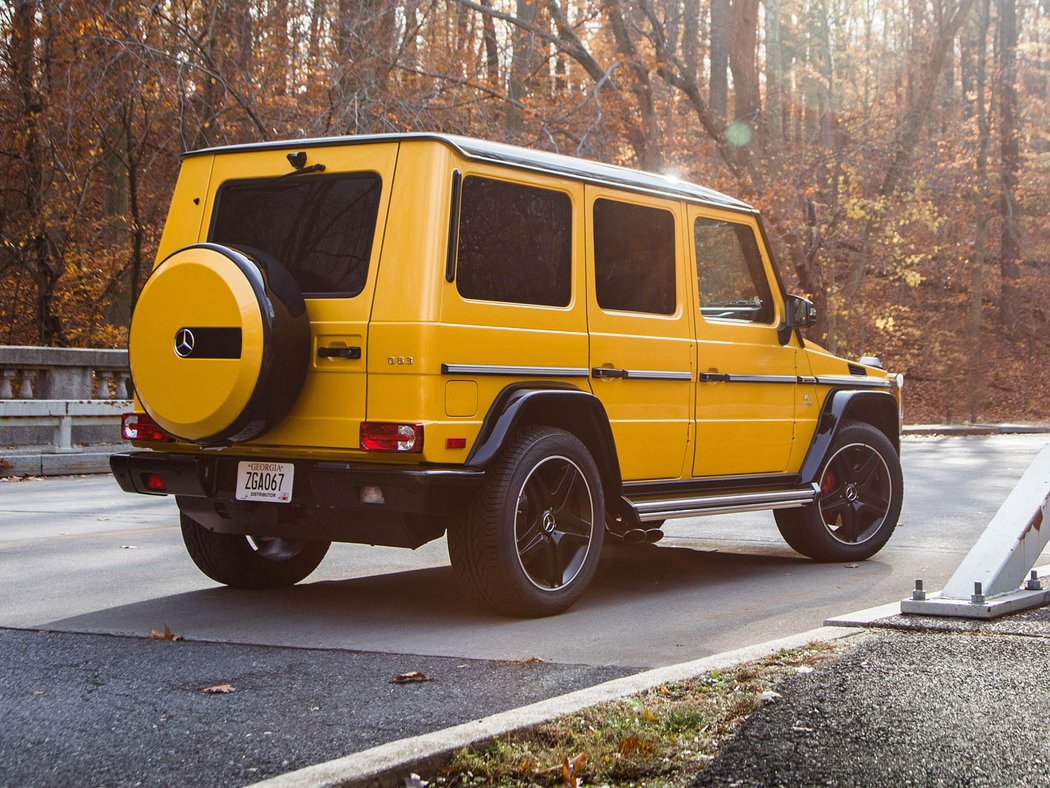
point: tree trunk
(980, 208)
(1009, 166)
(718, 84)
(522, 63)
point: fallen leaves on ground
(769, 696)
(167, 634)
(852, 566)
(412, 677)
(219, 689)
(571, 768)
(528, 661)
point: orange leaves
(570, 769)
(167, 634)
(219, 689)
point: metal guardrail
(54, 397)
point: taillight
(387, 436)
(140, 427)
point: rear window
(515, 243)
(319, 227)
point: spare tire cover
(219, 344)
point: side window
(634, 258)
(732, 280)
(515, 243)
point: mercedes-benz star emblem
(184, 341)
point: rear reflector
(455, 443)
(140, 427)
(154, 482)
(387, 436)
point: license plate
(265, 481)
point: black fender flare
(840, 405)
(555, 404)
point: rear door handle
(606, 372)
(339, 352)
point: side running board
(650, 509)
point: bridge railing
(58, 397)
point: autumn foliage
(899, 151)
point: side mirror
(800, 314)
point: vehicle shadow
(645, 606)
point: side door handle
(606, 372)
(339, 352)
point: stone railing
(55, 397)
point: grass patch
(662, 737)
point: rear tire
(250, 562)
(862, 489)
(532, 541)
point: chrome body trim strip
(656, 374)
(855, 381)
(499, 369)
(733, 377)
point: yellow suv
(384, 339)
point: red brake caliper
(827, 484)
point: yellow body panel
(412, 325)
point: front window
(319, 227)
(730, 274)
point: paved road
(77, 554)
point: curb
(388, 764)
(974, 429)
(89, 459)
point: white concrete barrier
(988, 582)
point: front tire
(250, 562)
(861, 491)
(532, 541)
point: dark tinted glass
(320, 227)
(515, 243)
(732, 280)
(634, 257)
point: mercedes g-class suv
(386, 339)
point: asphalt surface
(924, 702)
(102, 710)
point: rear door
(326, 228)
(640, 329)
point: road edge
(389, 764)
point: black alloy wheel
(861, 492)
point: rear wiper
(302, 171)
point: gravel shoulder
(951, 703)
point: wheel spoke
(532, 539)
(866, 473)
(559, 496)
(572, 526)
(850, 523)
(568, 548)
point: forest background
(899, 149)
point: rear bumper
(440, 491)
